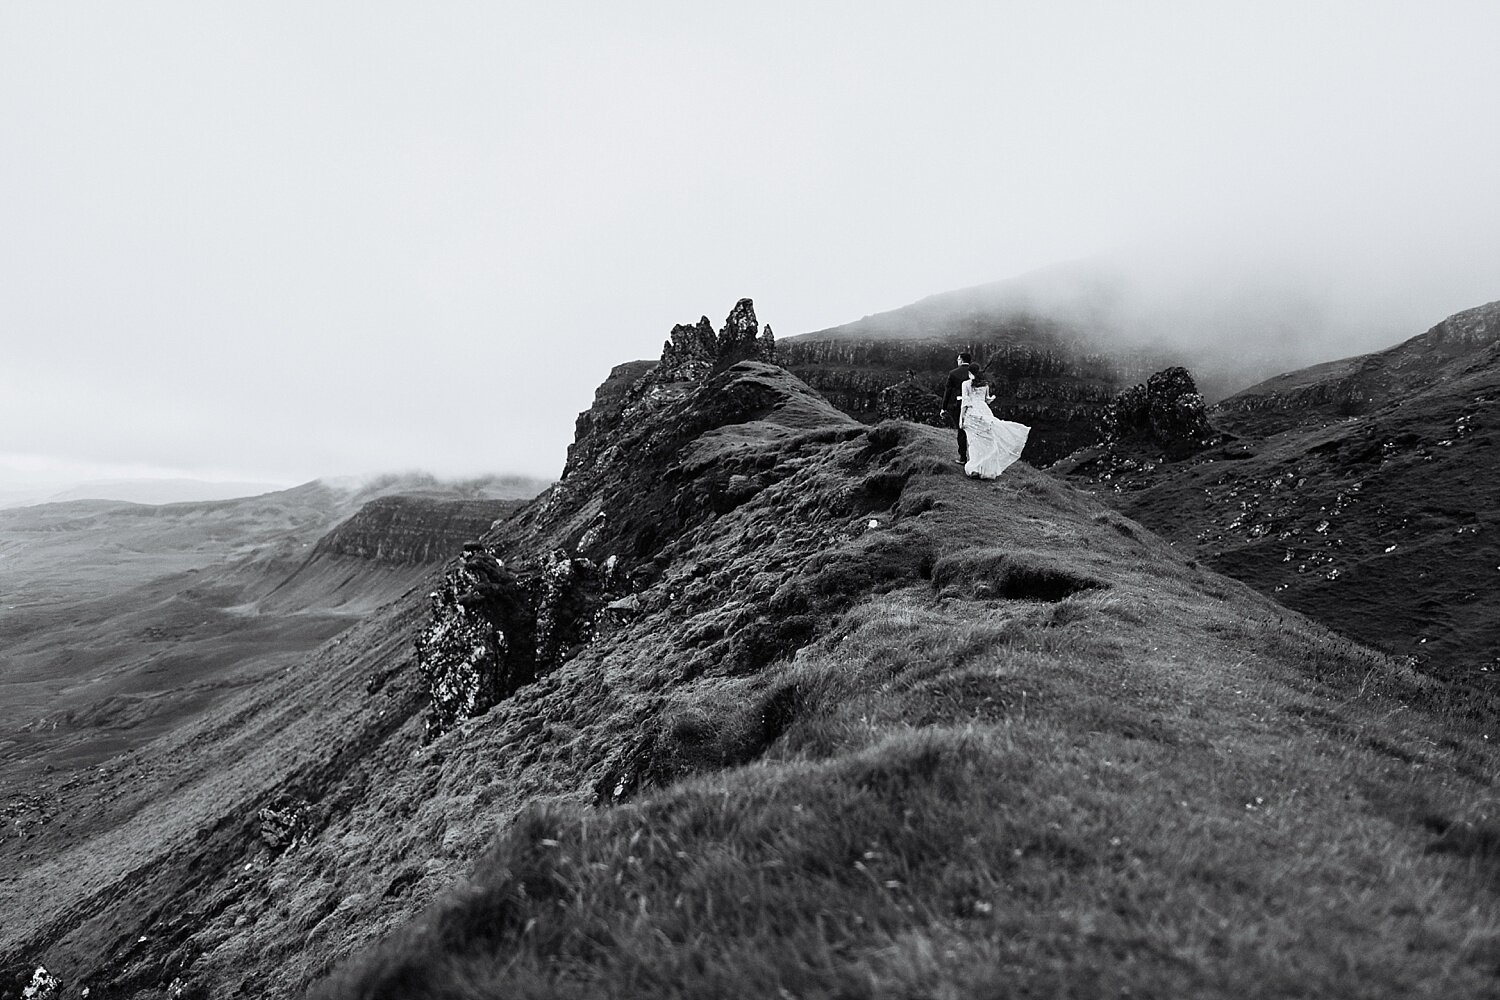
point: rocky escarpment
(511, 610)
(690, 354)
(1337, 390)
(382, 550)
(407, 529)
(496, 627)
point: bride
(993, 443)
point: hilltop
(758, 700)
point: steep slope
(758, 700)
(1381, 522)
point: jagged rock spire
(740, 326)
(737, 340)
(692, 352)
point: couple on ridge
(987, 445)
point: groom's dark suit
(956, 379)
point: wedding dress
(994, 444)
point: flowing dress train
(994, 444)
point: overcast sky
(273, 241)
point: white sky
(274, 241)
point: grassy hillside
(1028, 750)
(1381, 522)
(859, 727)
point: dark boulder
(1166, 411)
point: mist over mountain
(1235, 318)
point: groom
(956, 379)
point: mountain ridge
(711, 716)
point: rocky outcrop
(570, 591)
(1166, 411)
(495, 628)
(692, 352)
(1146, 427)
(43, 986)
(614, 397)
(285, 823)
(1468, 330)
(480, 643)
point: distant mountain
(1364, 492)
(379, 552)
(143, 491)
(160, 491)
(169, 491)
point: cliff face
(759, 698)
(403, 530)
(388, 546)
